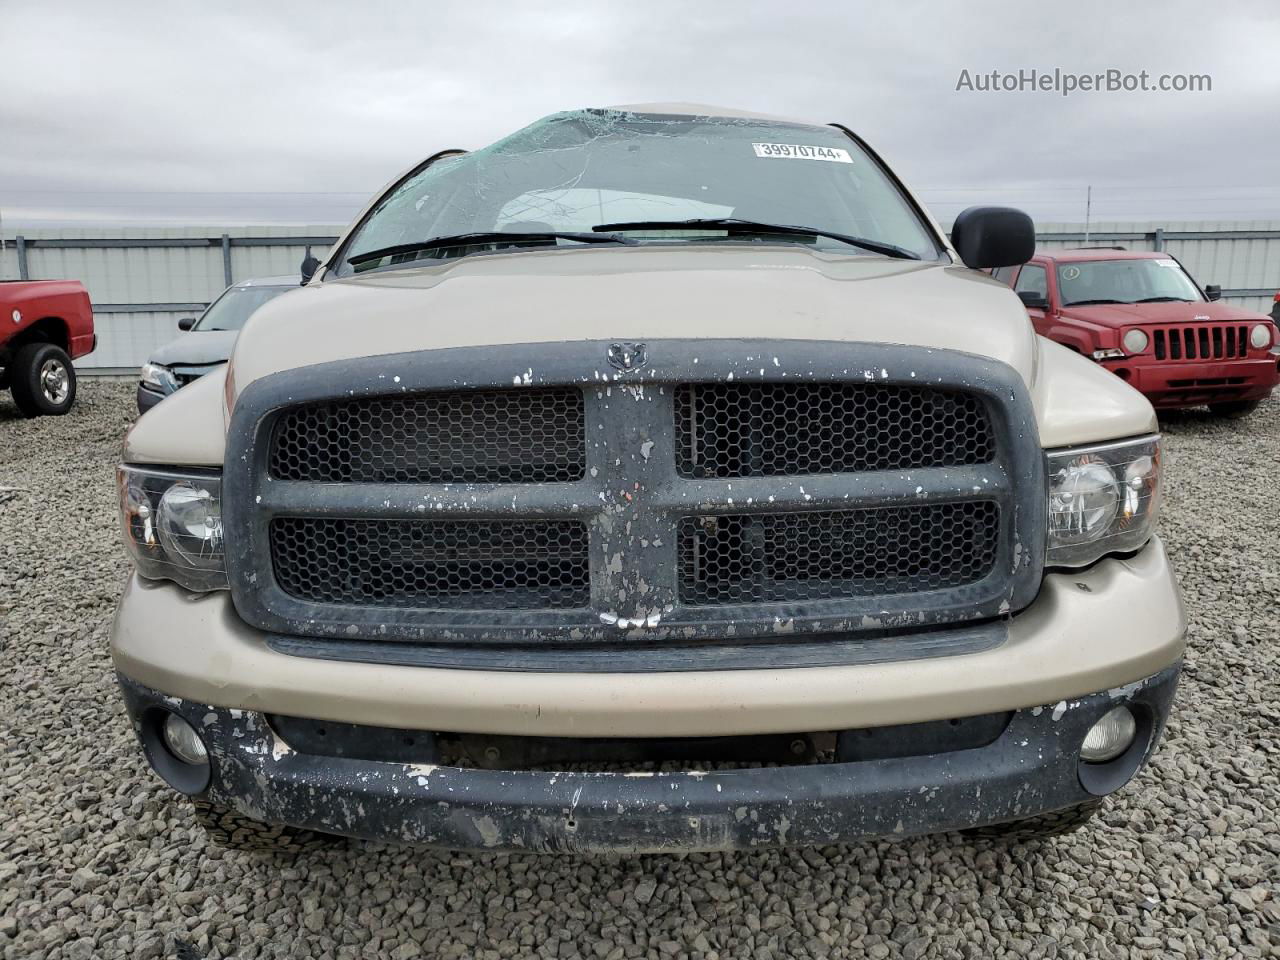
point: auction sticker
(797, 151)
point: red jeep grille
(1201, 343)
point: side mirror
(1033, 300)
(186, 323)
(310, 264)
(993, 237)
(1213, 291)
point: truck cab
(1142, 316)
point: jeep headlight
(172, 525)
(1102, 499)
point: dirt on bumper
(1033, 767)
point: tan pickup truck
(657, 478)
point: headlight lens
(1135, 341)
(172, 526)
(159, 377)
(1260, 336)
(1102, 499)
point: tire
(1039, 828)
(1235, 409)
(42, 380)
(233, 830)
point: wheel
(1235, 409)
(1042, 827)
(233, 830)
(42, 380)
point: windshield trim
(338, 252)
(697, 243)
(943, 248)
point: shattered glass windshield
(572, 172)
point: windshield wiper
(1164, 300)
(1089, 303)
(735, 225)
(486, 237)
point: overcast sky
(270, 112)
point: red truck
(44, 325)
(1142, 316)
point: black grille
(445, 564)
(740, 430)
(494, 436)
(1200, 343)
(779, 557)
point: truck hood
(635, 294)
(1117, 315)
(197, 348)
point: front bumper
(1170, 385)
(1031, 768)
(148, 398)
(1114, 623)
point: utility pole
(1088, 208)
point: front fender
(1076, 401)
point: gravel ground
(97, 860)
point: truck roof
(708, 110)
(287, 281)
(1101, 253)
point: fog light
(183, 741)
(1110, 736)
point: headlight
(172, 525)
(1260, 336)
(1102, 499)
(1135, 341)
(159, 377)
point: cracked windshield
(607, 177)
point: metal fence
(143, 280)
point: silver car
(207, 340)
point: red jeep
(43, 325)
(1141, 316)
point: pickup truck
(44, 325)
(1140, 315)
(660, 477)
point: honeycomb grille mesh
(444, 564)
(494, 436)
(764, 558)
(760, 430)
